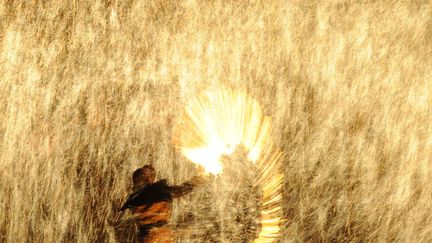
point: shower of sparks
(214, 124)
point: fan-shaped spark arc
(214, 124)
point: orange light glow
(214, 124)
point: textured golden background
(88, 89)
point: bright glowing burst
(214, 124)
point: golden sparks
(214, 124)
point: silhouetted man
(150, 204)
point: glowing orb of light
(218, 120)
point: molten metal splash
(213, 124)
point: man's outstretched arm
(187, 186)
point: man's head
(143, 175)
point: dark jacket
(151, 204)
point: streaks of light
(217, 121)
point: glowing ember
(214, 124)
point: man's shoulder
(158, 191)
(162, 182)
(149, 194)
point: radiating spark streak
(217, 121)
(270, 211)
(274, 199)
